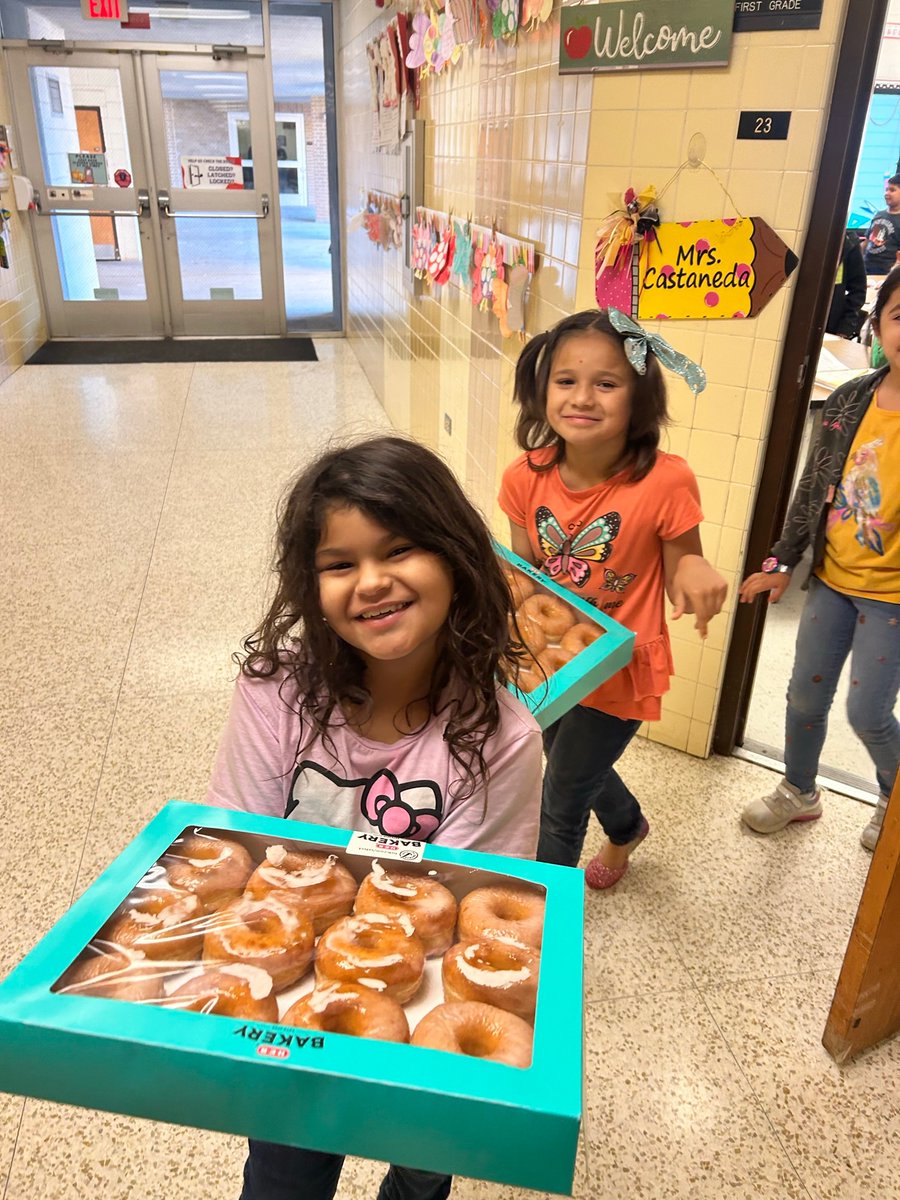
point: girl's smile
(385, 596)
(589, 394)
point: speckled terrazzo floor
(135, 515)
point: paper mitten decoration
(519, 278)
(421, 248)
(477, 262)
(462, 251)
(506, 19)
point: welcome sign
(637, 35)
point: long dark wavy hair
(412, 493)
(649, 411)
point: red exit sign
(104, 10)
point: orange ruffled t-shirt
(631, 520)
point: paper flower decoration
(420, 27)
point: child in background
(883, 238)
(372, 697)
(601, 509)
(847, 505)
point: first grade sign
(635, 35)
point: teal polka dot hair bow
(638, 341)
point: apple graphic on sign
(578, 41)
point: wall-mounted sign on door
(636, 35)
(199, 171)
(88, 168)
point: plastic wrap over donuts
(288, 933)
(551, 630)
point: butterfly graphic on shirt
(400, 810)
(616, 583)
(572, 556)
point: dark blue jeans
(582, 748)
(274, 1172)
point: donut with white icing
(318, 878)
(213, 868)
(352, 1009)
(274, 933)
(232, 990)
(163, 923)
(373, 950)
(429, 905)
(500, 973)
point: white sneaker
(785, 805)
(869, 836)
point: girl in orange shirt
(596, 504)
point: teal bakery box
(556, 691)
(423, 1108)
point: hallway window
(303, 76)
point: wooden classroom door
(866, 1005)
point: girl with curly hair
(372, 697)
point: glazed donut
(513, 913)
(532, 634)
(213, 868)
(274, 933)
(355, 1010)
(552, 659)
(500, 973)
(579, 637)
(233, 990)
(430, 907)
(319, 878)
(163, 923)
(479, 1030)
(528, 679)
(375, 950)
(117, 975)
(550, 613)
(519, 584)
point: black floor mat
(159, 350)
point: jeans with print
(274, 1172)
(582, 748)
(833, 626)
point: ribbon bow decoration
(638, 341)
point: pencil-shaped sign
(711, 269)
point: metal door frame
(164, 312)
(197, 318)
(88, 318)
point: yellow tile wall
(509, 139)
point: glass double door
(155, 185)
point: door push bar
(163, 199)
(142, 210)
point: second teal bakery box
(417, 1107)
(563, 688)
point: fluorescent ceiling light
(192, 14)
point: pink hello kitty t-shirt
(408, 788)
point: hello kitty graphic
(398, 810)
